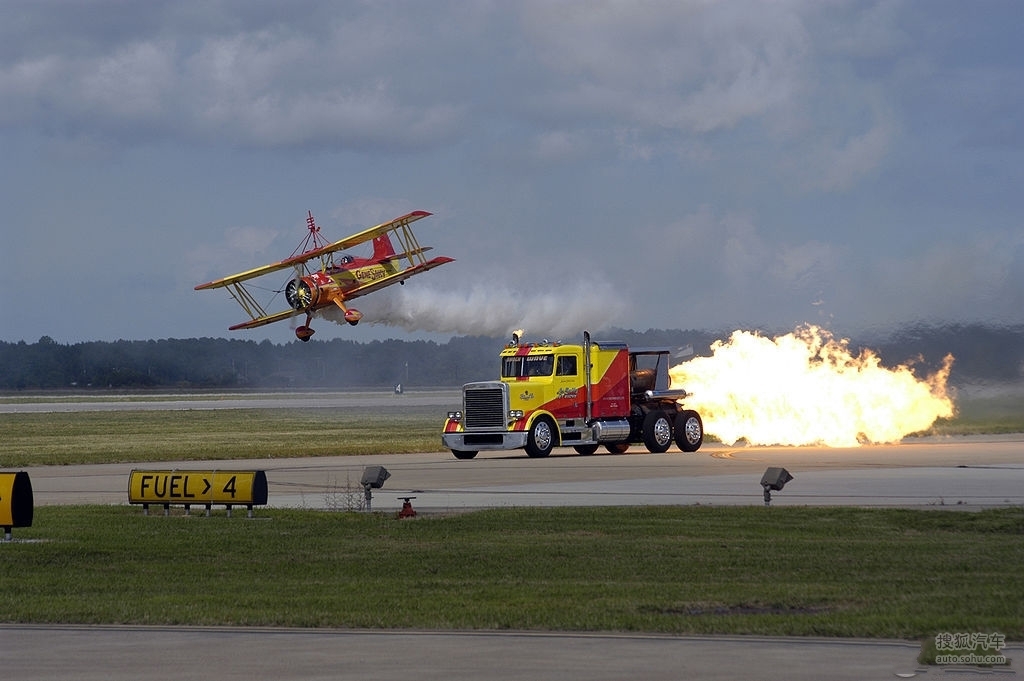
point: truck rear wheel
(617, 447)
(462, 454)
(689, 430)
(541, 438)
(657, 432)
(585, 450)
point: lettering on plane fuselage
(374, 273)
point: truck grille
(485, 407)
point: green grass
(192, 435)
(781, 571)
(978, 416)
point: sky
(638, 164)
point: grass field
(150, 436)
(787, 571)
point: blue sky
(675, 164)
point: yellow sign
(233, 488)
(16, 504)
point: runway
(957, 472)
(115, 653)
(953, 472)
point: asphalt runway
(952, 473)
(116, 653)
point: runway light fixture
(773, 480)
(373, 478)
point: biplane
(325, 277)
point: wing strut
(246, 300)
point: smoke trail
(493, 310)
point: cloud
(374, 79)
(691, 67)
(247, 247)
(262, 85)
(708, 163)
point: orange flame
(807, 388)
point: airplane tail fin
(382, 248)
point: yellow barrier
(189, 488)
(16, 505)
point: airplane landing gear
(304, 332)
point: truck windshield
(530, 365)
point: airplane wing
(266, 319)
(255, 272)
(373, 232)
(398, 277)
(348, 242)
(260, 317)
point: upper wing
(348, 242)
(373, 232)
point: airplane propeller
(299, 294)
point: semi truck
(583, 396)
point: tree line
(983, 353)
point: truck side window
(566, 365)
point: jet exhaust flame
(807, 388)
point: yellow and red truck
(582, 396)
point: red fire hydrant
(407, 510)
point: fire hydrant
(407, 510)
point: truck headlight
(515, 414)
(455, 415)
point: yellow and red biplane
(324, 276)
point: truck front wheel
(657, 432)
(541, 438)
(689, 431)
(463, 454)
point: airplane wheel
(657, 432)
(689, 431)
(541, 439)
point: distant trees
(220, 363)
(983, 353)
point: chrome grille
(486, 407)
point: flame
(807, 388)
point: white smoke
(492, 310)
